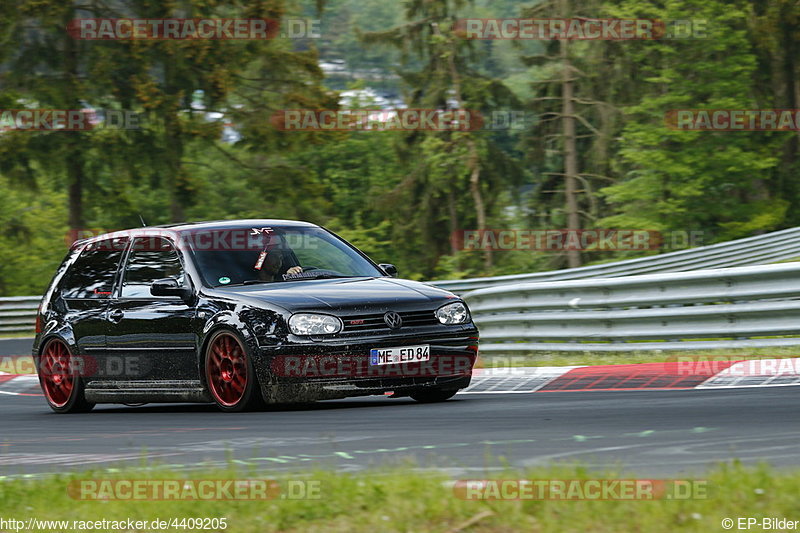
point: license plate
(400, 354)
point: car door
(86, 290)
(151, 337)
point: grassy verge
(623, 358)
(28, 335)
(409, 500)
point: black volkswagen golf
(243, 313)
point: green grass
(17, 335)
(405, 499)
(623, 358)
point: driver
(277, 263)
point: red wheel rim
(226, 368)
(58, 380)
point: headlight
(454, 313)
(311, 324)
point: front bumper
(340, 368)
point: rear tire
(433, 395)
(63, 388)
(230, 375)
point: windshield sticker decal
(260, 262)
(224, 280)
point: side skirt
(147, 392)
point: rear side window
(92, 274)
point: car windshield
(254, 255)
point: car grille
(375, 322)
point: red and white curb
(19, 384)
(514, 380)
(757, 373)
(672, 375)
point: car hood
(349, 296)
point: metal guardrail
(722, 308)
(18, 314)
(758, 250)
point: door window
(151, 258)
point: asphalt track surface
(650, 433)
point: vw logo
(393, 320)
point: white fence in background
(18, 314)
(722, 308)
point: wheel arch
(64, 334)
(223, 321)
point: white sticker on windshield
(260, 262)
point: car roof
(243, 223)
(177, 229)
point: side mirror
(389, 268)
(169, 287)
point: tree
(684, 180)
(774, 30)
(443, 166)
(48, 69)
(578, 117)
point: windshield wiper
(246, 282)
(313, 275)
(296, 277)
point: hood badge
(393, 320)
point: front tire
(62, 386)
(433, 395)
(230, 375)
